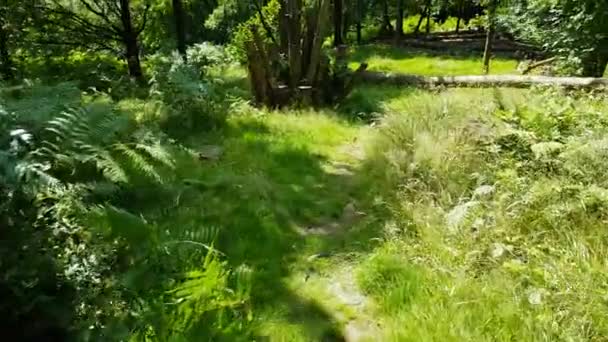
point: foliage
(242, 35)
(480, 214)
(90, 258)
(498, 205)
(228, 15)
(204, 56)
(575, 30)
(387, 58)
(188, 103)
(100, 71)
(160, 34)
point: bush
(502, 204)
(78, 257)
(89, 70)
(189, 103)
(205, 55)
(242, 33)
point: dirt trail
(336, 287)
(360, 327)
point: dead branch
(538, 64)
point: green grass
(476, 229)
(388, 58)
(273, 180)
(483, 209)
(492, 235)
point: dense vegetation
(213, 170)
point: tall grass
(496, 232)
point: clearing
(415, 215)
(461, 214)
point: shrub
(78, 257)
(205, 55)
(89, 70)
(189, 102)
(507, 203)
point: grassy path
(284, 199)
(454, 225)
(332, 282)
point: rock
(547, 149)
(359, 331)
(535, 297)
(483, 191)
(458, 214)
(347, 294)
(319, 256)
(497, 250)
(210, 153)
(350, 213)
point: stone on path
(210, 152)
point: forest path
(329, 278)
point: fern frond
(138, 162)
(194, 232)
(157, 153)
(126, 225)
(36, 171)
(111, 169)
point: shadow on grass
(259, 198)
(261, 195)
(366, 102)
(362, 53)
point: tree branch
(144, 19)
(100, 13)
(538, 64)
(263, 21)
(83, 23)
(101, 46)
(114, 7)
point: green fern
(84, 135)
(205, 291)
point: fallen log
(511, 81)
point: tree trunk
(487, 54)
(460, 14)
(130, 41)
(315, 55)
(422, 15)
(387, 28)
(345, 21)
(284, 26)
(311, 77)
(294, 36)
(338, 23)
(180, 29)
(595, 65)
(428, 20)
(359, 21)
(399, 24)
(538, 65)
(6, 64)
